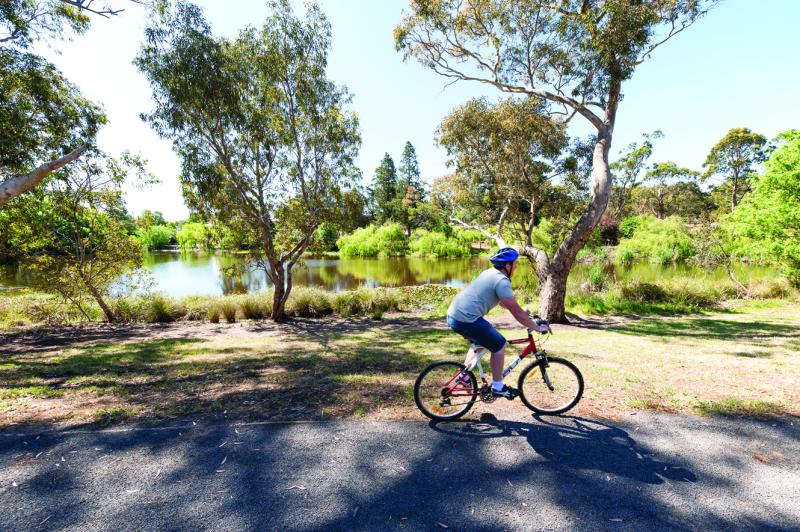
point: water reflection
(184, 274)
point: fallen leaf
(38, 455)
(509, 483)
(442, 525)
(525, 504)
(616, 519)
(223, 444)
(355, 511)
(220, 470)
(62, 459)
(158, 473)
(296, 487)
(131, 491)
(223, 461)
(13, 483)
(45, 520)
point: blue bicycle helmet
(503, 257)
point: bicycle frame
(463, 391)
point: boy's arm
(519, 313)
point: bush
(643, 292)
(628, 226)
(625, 257)
(155, 236)
(454, 243)
(664, 241)
(609, 231)
(196, 235)
(372, 241)
(597, 278)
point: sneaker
(508, 392)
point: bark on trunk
(103, 305)
(11, 188)
(281, 294)
(551, 302)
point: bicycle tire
(568, 386)
(427, 393)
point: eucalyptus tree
(734, 158)
(68, 235)
(629, 172)
(574, 54)
(662, 178)
(45, 122)
(266, 141)
(507, 154)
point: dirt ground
(745, 362)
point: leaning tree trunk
(102, 302)
(13, 187)
(554, 291)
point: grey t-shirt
(481, 296)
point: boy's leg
(497, 360)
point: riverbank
(745, 361)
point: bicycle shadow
(575, 445)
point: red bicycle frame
(463, 391)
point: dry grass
(745, 362)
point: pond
(183, 274)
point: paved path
(651, 472)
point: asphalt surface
(650, 472)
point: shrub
(129, 309)
(660, 241)
(458, 243)
(597, 278)
(609, 231)
(155, 236)
(196, 235)
(643, 292)
(625, 257)
(628, 226)
(372, 241)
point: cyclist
(466, 312)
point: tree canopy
(768, 219)
(734, 158)
(266, 141)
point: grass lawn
(741, 362)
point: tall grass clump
(226, 308)
(307, 302)
(374, 241)
(256, 306)
(658, 241)
(159, 308)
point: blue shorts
(479, 332)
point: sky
(737, 67)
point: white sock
(497, 385)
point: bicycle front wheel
(553, 389)
(437, 394)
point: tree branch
(13, 187)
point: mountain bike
(548, 385)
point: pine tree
(385, 189)
(408, 173)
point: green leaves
(767, 222)
(43, 116)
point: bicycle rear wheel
(433, 391)
(553, 389)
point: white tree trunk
(13, 187)
(551, 303)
